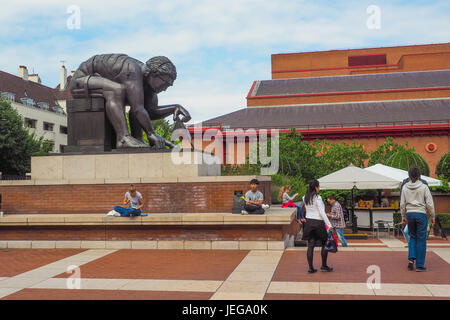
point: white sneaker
(265, 206)
(113, 213)
(244, 212)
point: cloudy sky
(219, 47)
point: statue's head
(160, 73)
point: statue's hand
(156, 140)
(180, 110)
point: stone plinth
(123, 166)
(88, 126)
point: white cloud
(219, 47)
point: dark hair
(331, 198)
(311, 192)
(414, 173)
(254, 181)
(159, 66)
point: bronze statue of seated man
(121, 81)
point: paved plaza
(223, 274)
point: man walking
(337, 219)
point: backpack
(238, 202)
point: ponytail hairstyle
(283, 189)
(311, 192)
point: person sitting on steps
(133, 201)
(254, 200)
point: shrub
(443, 166)
(406, 158)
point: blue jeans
(126, 212)
(417, 229)
(340, 235)
(299, 211)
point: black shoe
(421, 269)
(411, 265)
(312, 270)
(326, 269)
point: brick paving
(219, 274)
(16, 261)
(164, 264)
(61, 294)
(352, 267)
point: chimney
(23, 72)
(34, 78)
(63, 78)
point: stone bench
(271, 230)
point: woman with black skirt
(314, 228)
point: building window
(63, 129)
(58, 109)
(9, 96)
(366, 60)
(43, 105)
(30, 123)
(28, 102)
(48, 126)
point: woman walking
(315, 229)
(415, 201)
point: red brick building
(356, 94)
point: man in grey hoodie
(415, 201)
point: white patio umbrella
(351, 177)
(399, 174)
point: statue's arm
(161, 112)
(135, 97)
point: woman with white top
(314, 228)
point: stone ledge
(201, 179)
(273, 216)
(264, 245)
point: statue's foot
(130, 142)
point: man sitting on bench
(133, 201)
(254, 200)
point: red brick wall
(198, 197)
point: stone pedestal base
(123, 166)
(88, 126)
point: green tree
(406, 158)
(443, 166)
(384, 151)
(17, 145)
(340, 155)
(298, 157)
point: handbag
(331, 245)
